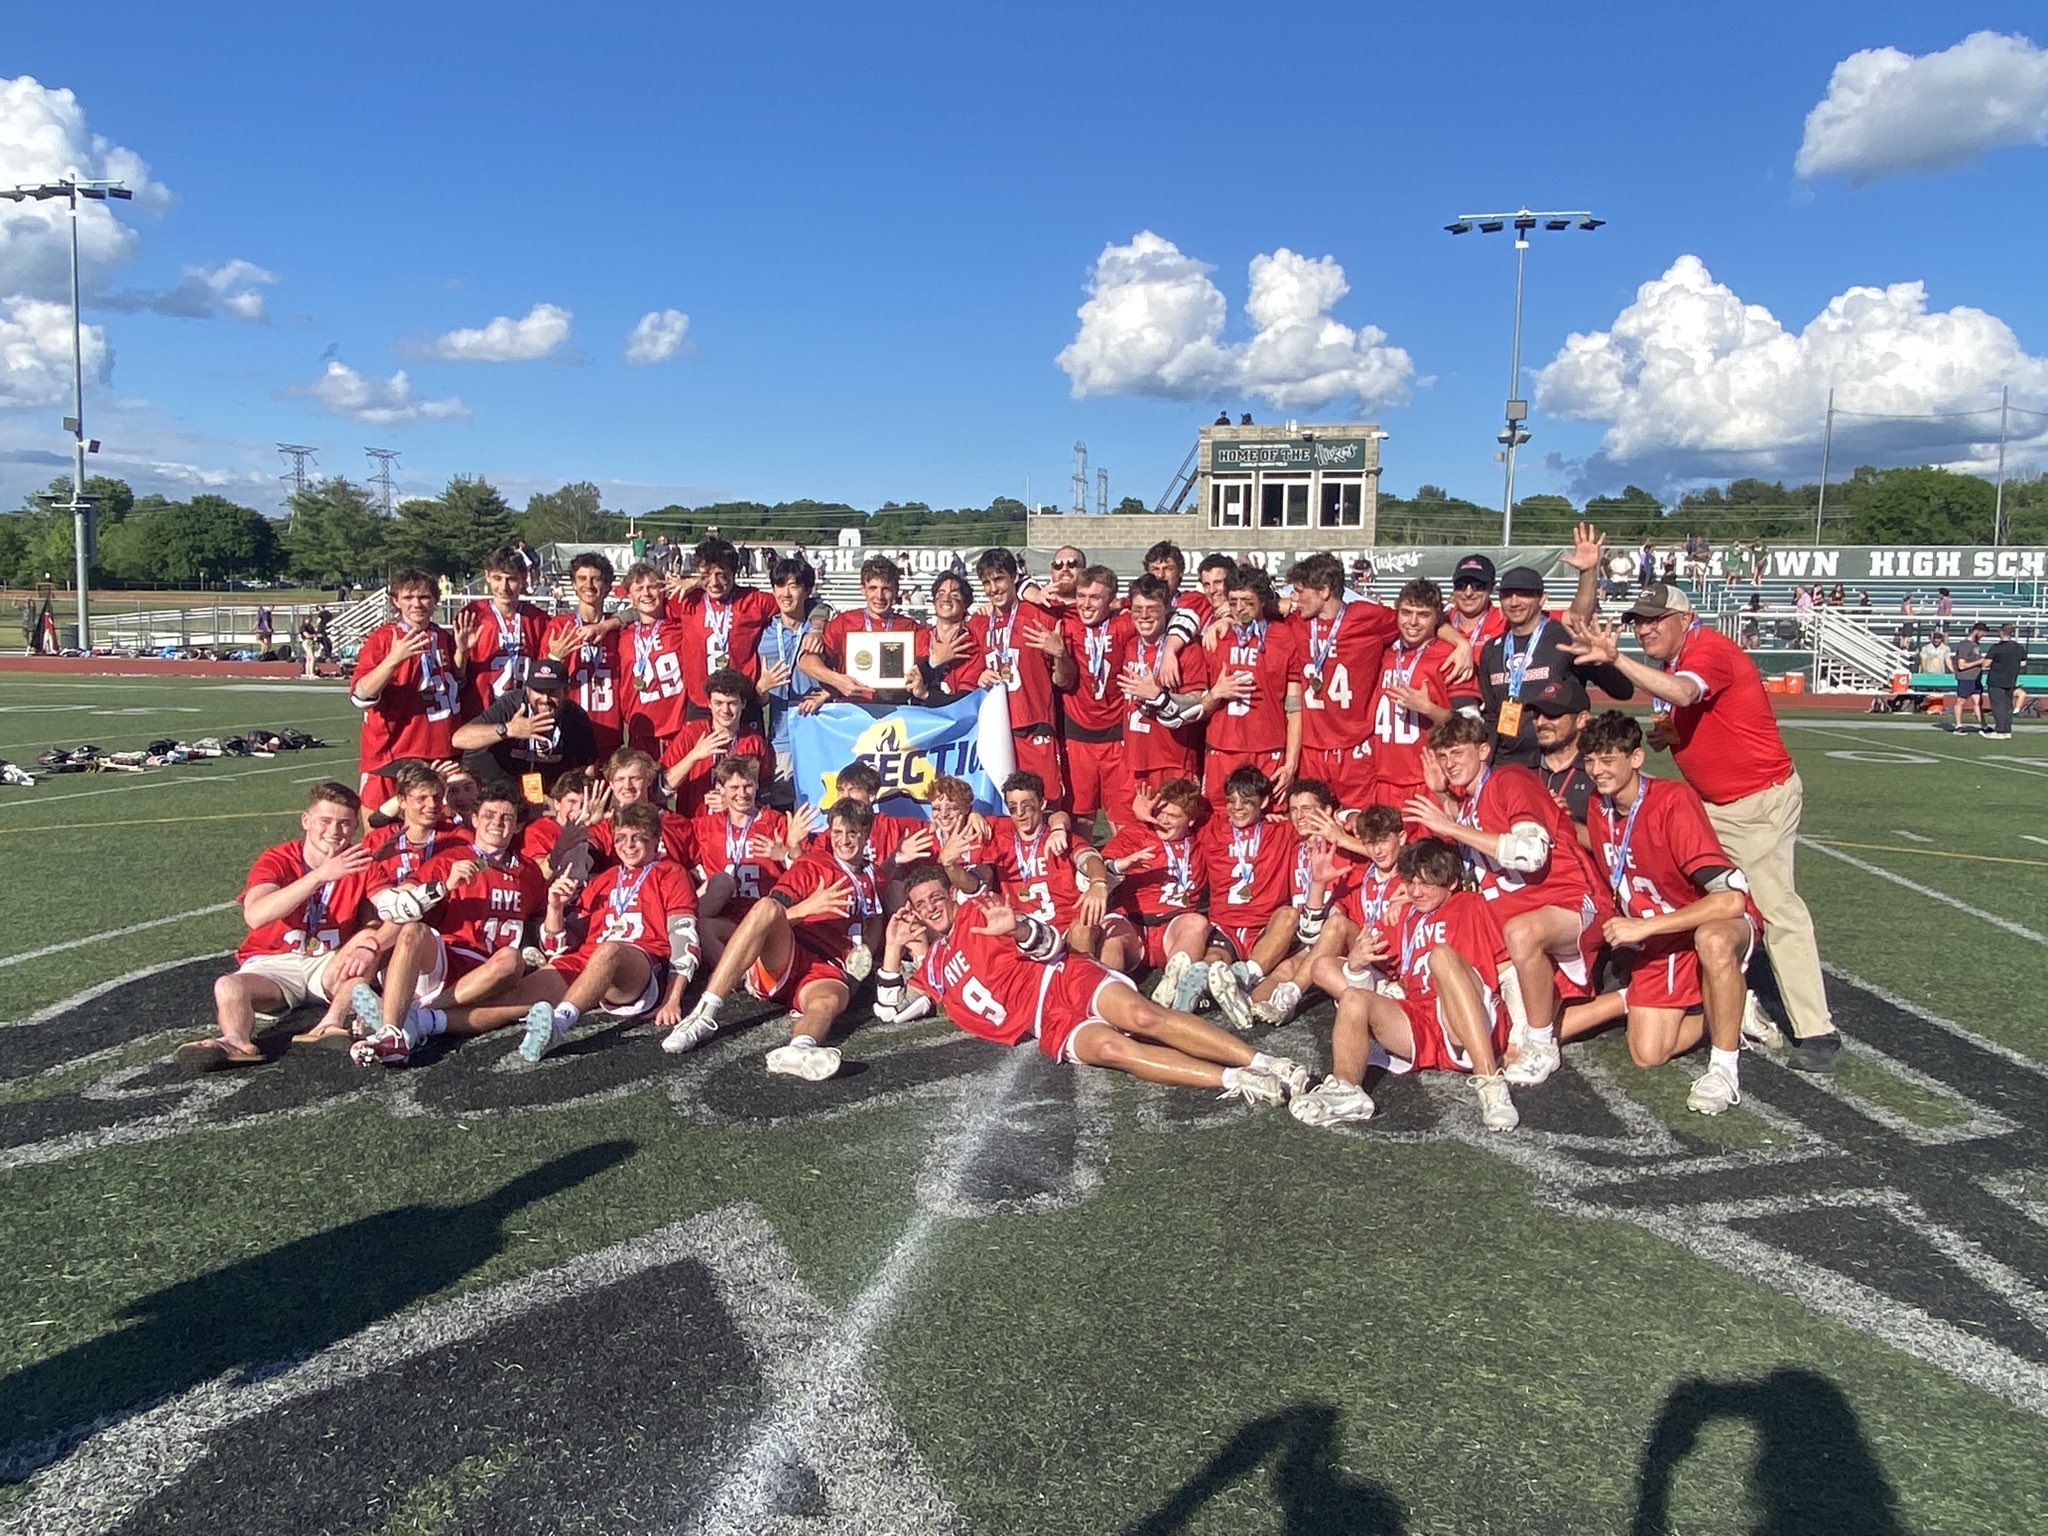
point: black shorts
(1966, 687)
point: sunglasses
(1066, 565)
(1638, 622)
(1471, 584)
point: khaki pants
(1760, 832)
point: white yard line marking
(114, 933)
(1954, 757)
(2016, 929)
(2043, 841)
(1911, 837)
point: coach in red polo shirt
(1713, 715)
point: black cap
(1564, 695)
(1473, 568)
(1522, 578)
(550, 674)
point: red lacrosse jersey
(1658, 845)
(1466, 923)
(537, 839)
(719, 633)
(1376, 899)
(498, 907)
(1095, 704)
(399, 859)
(504, 647)
(1250, 870)
(1151, 747)
(827, 937)
(1340, 674)
(860, 622)
(1175, 880)
(1490, 625)
(634, 906)
(1272, 652)
(984, 982)
(330, 916)
(1502, 797)
(597, 674)
(678, 844)
(656, 669)
(884, 838)
(689, 795)
(1000, 644)
(1035, 883)
(722, 849)
(415, 714)
(1399, 732)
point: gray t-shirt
(1969, 659)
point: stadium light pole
(1522, 221)
(71, 188)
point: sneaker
(1256, 1088)
(812, 1063)
(386, 1048)
(698, 1025)
(1497, 1110)
(540, 1032)
(1168, 987)
(1539, 1058)
(1333, 1102)
(533, 957)
(1193, 986)
(1290, 1072)
(1278, 1008)
(1231, 1002)
(1759, 1031)
(368, 1008)
(1713, 1092)
(1815, 1053)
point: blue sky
(881, 223)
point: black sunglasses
(1066, 565)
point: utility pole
(383, 459)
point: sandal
(214, 1054)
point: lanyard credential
(1619, 874)
(1519, 665)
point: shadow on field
(266, 1310)
(1813, 1473)
(1316, 1496)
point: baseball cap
(1522, 578)
(1473, 568)
(1564, 695)
(550, 674)
(1658, 599)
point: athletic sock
(1261, 1062)
(431, 1021)
(1728, 1061)
(566, 1015)
(1232, 1076)
(803, 1039)
(708, 1003)
(1543, 1035)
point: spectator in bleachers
(1944, 605)
(1836, 596)
(1969, 669)
(1935, 655)
(1862, 598)
(2004, 661)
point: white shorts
(649, 999)
(299, 977)
(435, 981)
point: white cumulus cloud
(44, 135)
(35, 352)
(1691, 380)
(234, 288)
(505, 340)
(656, 337)
(1887, 112)
(378, 403)
(1154, 324)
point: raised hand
(774, 677)
(1094, 905)
(1169, 669)
(466, 626)
(905, 929)
(464, 872)
(563, 891)
(1143, 858)
(1458, 666)
(413, 643)
(352, 860)
(997, 920)
(1589, 548)
(1056, 841)
(1591, 640)
(564, 645)
(597, 805)
(1371, 947)
(1140, 685)
(1428, 812)
(834, 900)
(803, 821)
(915, 845)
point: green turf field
(957, 1289)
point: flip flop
(213, 1055)
(326, 1034)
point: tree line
(336, 530)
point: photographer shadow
(1316, 1496)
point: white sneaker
(1713, 1092)
(1538, 1059)
(698, 1025)
(539, 1037)
(1288, 1070)
(812, 1063)
(1759, 1031)
(1279, 1007)
(1231, 1002)
(1256, 1088)
(1169, 979)
(1497, 1110)
(1332, 1102)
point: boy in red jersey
(1006, 978)
(654, 648)
(587, 640)
(501, 634)
(1044, 869)
(1324, 868)
(539, 837)
(407, 684)
(894, 842)
(742, 848)
(1449, 1014)
(1412, 697)
(1164, 888)
(962, 834)
(400, 849)
(1248, 860)
(1370, 906)
(1158, 743)
(1018, 644)
(1530, 868)
(806, 947)
(1252, 708)
(1345, 649)
(462, 919)
(312, 931)
(881, 587)
(630, 779)
(701, 744)
(1686, 928)
(722, 622)
(1094, 709)
(1472, 612)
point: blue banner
(909, 745)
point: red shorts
(1038, 751)
(1665, 973)
(1220, 765)
(1153, 936)
(1349, 772)
(1070, 1001)
(1096, 781)
(449, 965)
(571, 965)
(799, 971)
(1240, 939)
(1436, 1048)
